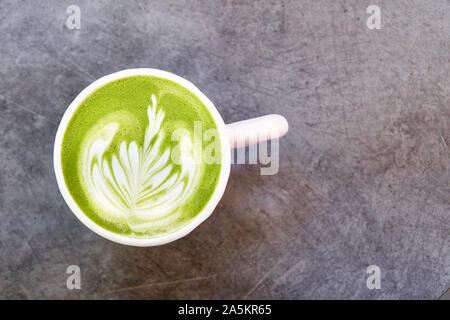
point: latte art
(139, 184)
(130, 159)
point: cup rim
(164, 238)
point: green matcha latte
(124, 168)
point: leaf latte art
(139, 184)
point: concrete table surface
(364, 170)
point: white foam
(140, 185)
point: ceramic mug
(235, 135)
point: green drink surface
(130, 160)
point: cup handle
(252, 131)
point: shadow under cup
(155, 239)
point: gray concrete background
(364, 172)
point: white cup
(254, 130)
